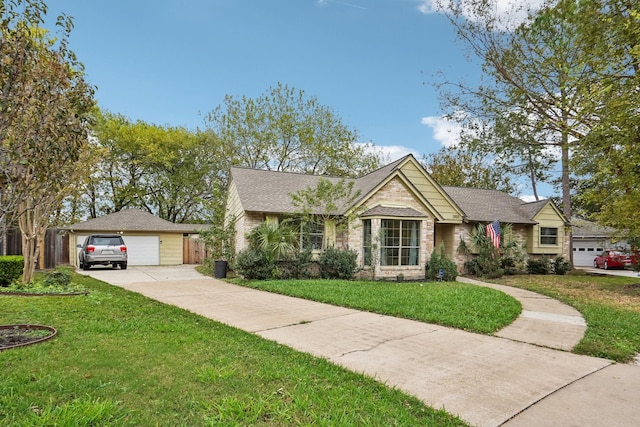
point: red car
(614, 259)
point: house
(150, 240)
(590, 239)
(402, 215)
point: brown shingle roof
(491, 205)
(270, 191)
(394, 212)
(587, 229)
(134, 220)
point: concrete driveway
(486, 380)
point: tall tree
(464, 166)
(169, 171)
(609, 165)
(285, 130)
(43, 105)
(535, 71)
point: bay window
(400, 243)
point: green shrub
(338, 264)
(539, 266)
(484, 266)
(440, 261)
(561, 266)
(10, 269)
(59, 278)
(295, 265)
(254, 264)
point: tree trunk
(566, 190)
(32, 226)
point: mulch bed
(19, 335)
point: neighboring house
(590, 239)
(402, 215)
(150, 240)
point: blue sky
(170, 62)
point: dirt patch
(20, 335)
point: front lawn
(609, 304)
(121, 359)
(459, 305)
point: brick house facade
(402, 215)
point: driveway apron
(486, 380)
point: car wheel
(85, 266)
(123, 266)
(606, 266)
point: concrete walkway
(514, 379)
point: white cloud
(390, 153)
(509, 13)
(446, 131)
(527, 198)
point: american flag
(493, 233)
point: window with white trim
(400, 242)
(548, 236)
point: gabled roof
(581, 228)
(370, 181)
(483, 205)
(392, 211)
(269, 191)
(134, 220)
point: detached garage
(590, 239)
(150, 240)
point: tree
(535, 72)
(326, 202)
(169, 171)
(43, 106)
(609, 165)
(284, 130)
(463, 166)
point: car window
(106, 241)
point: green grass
(609, 304)
(121, 359)
(454, 304)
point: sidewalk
(486, 380)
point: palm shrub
(485, 260)
(270, 244)
(338, 264)
(440, 261)
(275, 240)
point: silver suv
(103, 249)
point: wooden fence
(193, 251)
(54, 250)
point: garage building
(150, 240)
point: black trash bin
(220, 269)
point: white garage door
(584, 253)
(142, 250)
